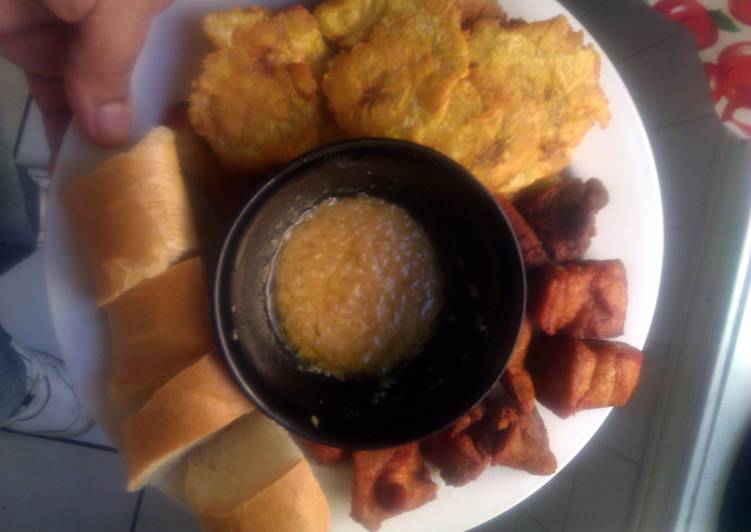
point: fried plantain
(257, 101)
(493, 133)
(253, 114)
(397, 83)
(348, 22)
(548, 63)
(290, 36)
(473, 10)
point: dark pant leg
(19, 215)
(12, 379)
(19, 211)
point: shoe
(51, 407)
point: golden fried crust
(494, 135)
(290, 36)
(348, 22)
(547, 62)
(472, 10)
(253, 114)
(220, 26)
(397, 83)
(258, 102)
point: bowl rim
(234, 234)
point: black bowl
(484, 296)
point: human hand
(78, 56)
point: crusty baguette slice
(294, 503)
(132, 215)
(157, 329)
(238, 463)
(184, 412)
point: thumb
(99, 64)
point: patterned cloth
(722, 31)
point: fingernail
(112, 122)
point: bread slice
(183, 413)
(157, 329)
(293, 503)
(242, 460)
(132, 215)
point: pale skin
(78, 56)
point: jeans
(12, 379)
(19, 211)
(19, 204)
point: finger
(101, 58)
(70, 11)
(161, 5)
(17, 15)
(49, 95)
(39, 50)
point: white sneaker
(51, 407)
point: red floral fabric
(722, 31)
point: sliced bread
(132, 215)
(180, 415)
(157, 329)
(238, 463)
(293, 503)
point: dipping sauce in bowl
(356, 286)
(355, 258)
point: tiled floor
(52, 485)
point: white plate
(629, 228)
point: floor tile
(527, 523)
(627, 429)
(33, 152)
(30, 324)
(578, 7)
(548, 506)
(685, 155)
(506, 522)
(603, 489)
(688, 92)
(159, 513)
(53, 486)
(95, 436)
(647, 76)
(612, 25)
(651, 28)
(680, 250)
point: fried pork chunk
(585, 299)
(457, 451)
(524, 445)
(516, 380)
(506, 430)
(563, 215)
(532, 251)
(324, 454)
(387, 482)
(501, 435)
(571, 374)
